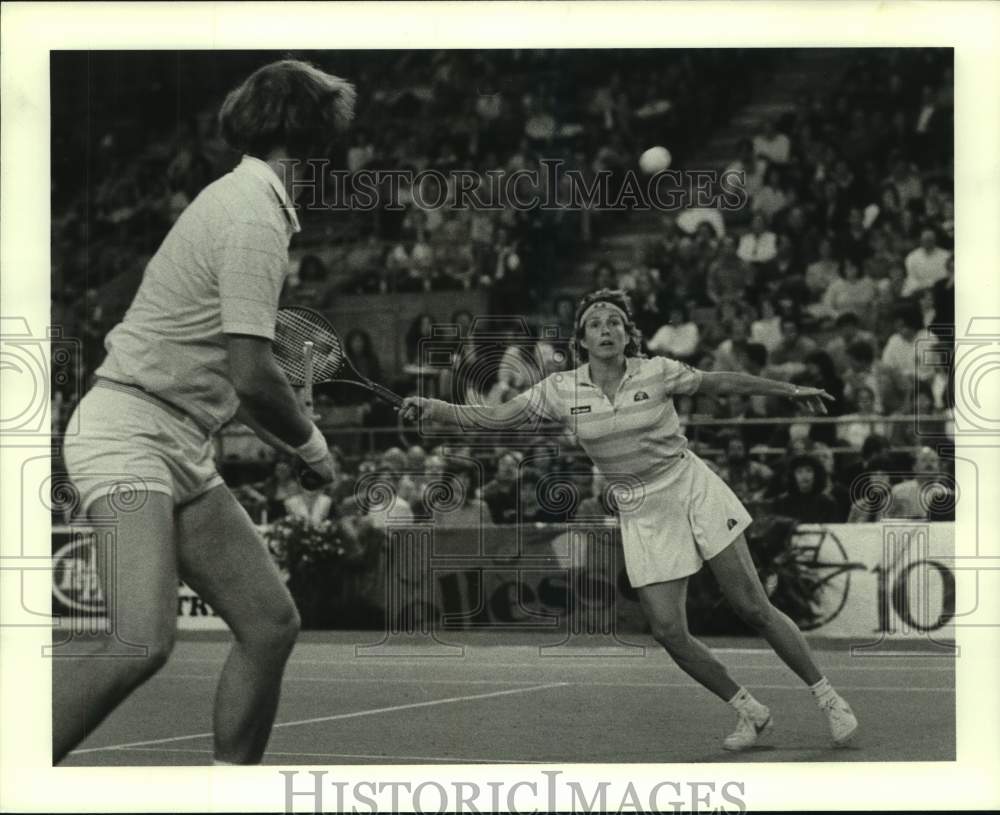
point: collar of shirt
(263, 171)
(631, 367)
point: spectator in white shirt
(759, 245)
(678, 338)
(902, 349)
(770, 199)
(854, 432)
(851, 292)
(690, 220)
(925, 265)
(767, 329)
(772, 144)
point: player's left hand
(812, 399)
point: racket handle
(386, 395)
(308, 478)
(308, 350)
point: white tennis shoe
(749, 727)
(843, 722)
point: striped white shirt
(219, 271)
(637, 432)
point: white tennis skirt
(683, 519)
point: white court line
(449, 759)
(333, 680)
(367, 680)
(336, 717)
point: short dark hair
(910, 314)
(287, 104)
(756, 353)
(617, 297)
(874, 445)
(847, 318)
(861, 351)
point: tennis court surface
(495, 698)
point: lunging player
(620, 407)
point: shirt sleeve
(542, 400)
(679, 378)
(253, 263)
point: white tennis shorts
(129, 445)
(684, 518)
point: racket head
(297, 325)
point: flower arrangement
(330, 568)
(299, 544)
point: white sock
(743, 702)
(823, 691)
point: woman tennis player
(192, 352)
(620, 407)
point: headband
(603, 304)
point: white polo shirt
(924, 269)
(636, 433)
(219, 271)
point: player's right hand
(315, 474)
(315, 454)
(416, 407)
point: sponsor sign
(77, 594)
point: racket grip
(308, 478)
(387, 395)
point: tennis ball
(655, 160)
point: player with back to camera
(192, 352)
(621, 408)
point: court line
(367, 680)
(333, 680)
(336, 717)
(449, 759)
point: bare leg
(140, 583)
(664, 604)
(734, 570)
(224, 559)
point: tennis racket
(309, 352)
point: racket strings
(293, 329)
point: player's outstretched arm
(506, 416)
(722, 383)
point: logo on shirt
(641, 396)
(731, 523)
(579, 409)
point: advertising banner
(862, 581)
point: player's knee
(755, 612)
(280, 629)
(151, 650)
(671, 634)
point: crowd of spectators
(838, 273)
(461, 486)
(135, 140)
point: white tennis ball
(655, 160)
